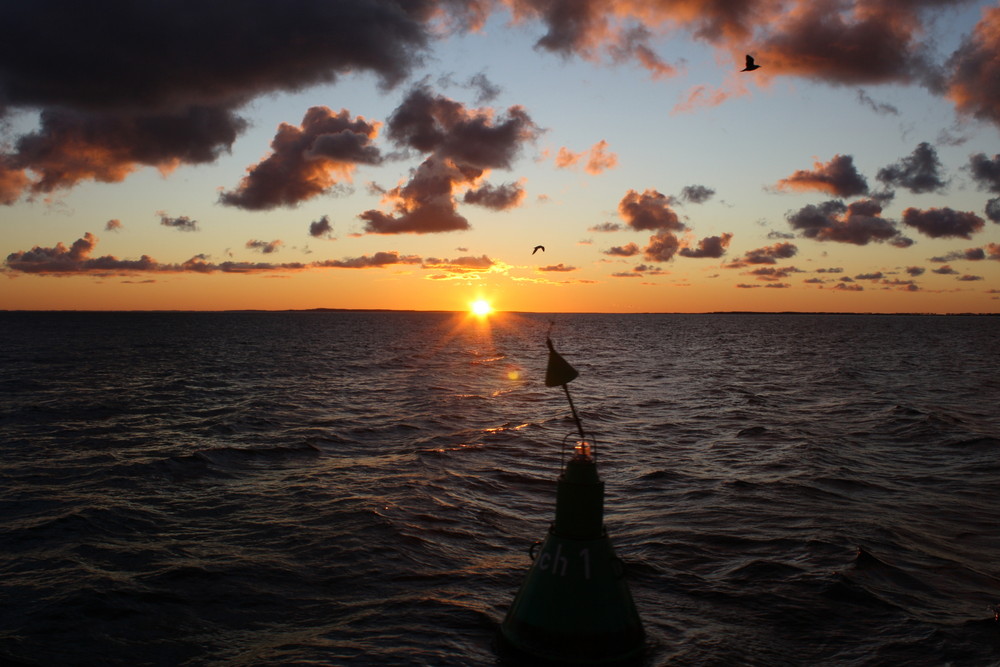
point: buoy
(574, 606)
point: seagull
(750, 65)
(537, 248)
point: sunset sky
(410, 155)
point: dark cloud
(378, 260)
(266, 247)
(662, 246)
(992, 209)
(919, 172)
(837, 177)
(557, 268)
(306, 161)
(859, 223)
(321, 228)
(498, 198)
(772, 274)
(128, 85)
(878, 107)
(986, 172)
(969, 254)
(974, 70)
(915, 270)
(606, 227)
(431, 123)
(878, 275)
(629, 250)
(113, 225)
(766, 255)
(463, 145)
(183, 223)
(72, 146)
(77, 259)
(945, 270)
(711, 246)
(969, 278)
(424, 205)
(696, 194)
(943, 222)
(649, 211)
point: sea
(364, 488)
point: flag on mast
(558, 372)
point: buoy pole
(574, 606)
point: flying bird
(537, 248)
(750, 65)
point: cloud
(321, 228)
(696, 194)
(945, 270)
(182, 223)
(943, 222)
(557, 268)
(859, 223)
(266, 247)
(496, 197)
(919, 172)
(974, 69)
(606, 227)
(163, 98)
(306, 161)
(113, 225)
(915, 270)
(432, 123)
(76, 259)
(837, 177)
(992, 209)
(986, 171)
(969, 254)
(766, 255)
(598, 159)
(880, 108)
(378, 260)
(629, 250)
(463, 145)
(662, 247)
(772, 274)
(711, 246)
(649, 211)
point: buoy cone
(574, 607)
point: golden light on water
(481, 308)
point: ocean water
(337, 488)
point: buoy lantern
(574, 606)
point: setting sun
(481, 308)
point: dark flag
(559, 371)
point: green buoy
(574, 606)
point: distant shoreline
(513, 312)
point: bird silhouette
(750, 65)
(537, 248)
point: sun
(480, 308)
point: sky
(411, 155)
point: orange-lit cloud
(307, 161)
(837, 177)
